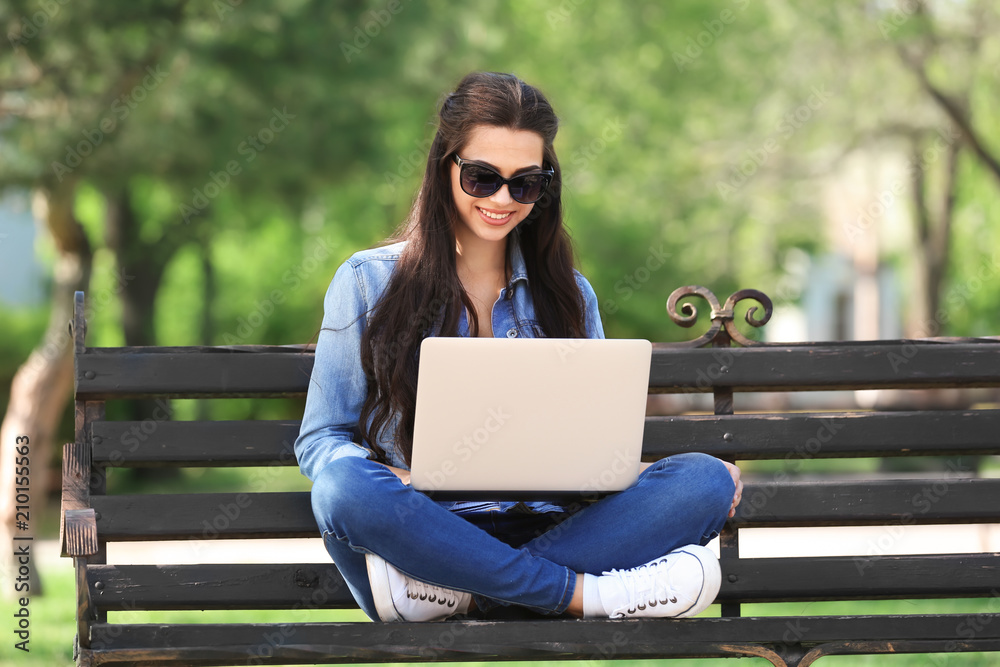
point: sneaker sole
(378, 581)
(713, 579)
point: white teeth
(494, 216)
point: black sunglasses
(478, 180)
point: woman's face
(509, 152)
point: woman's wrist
(403, 475)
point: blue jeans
(514, 557)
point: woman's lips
(494, 217)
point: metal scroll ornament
(723, 327)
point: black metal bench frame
(92, 519)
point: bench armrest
(80, 533)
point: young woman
(484, 253)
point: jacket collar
(518, 269)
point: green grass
(52, 623)
(52, 628)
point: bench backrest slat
(743, 436)
(822, 367)
(195, 443)
(123, 372)
(812, 435)
(204, 516)
(127, 373)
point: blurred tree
(158, 99)
(913, 84)
(945, 52)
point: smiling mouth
(499, 217)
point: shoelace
(647, 584)
(418, 590)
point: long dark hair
(424, 294)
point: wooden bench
(92, 518)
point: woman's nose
(502, 196)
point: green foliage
(970, 291)
(262, 143)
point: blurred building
(23, 277)
(850, 292)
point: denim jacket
(337, 387)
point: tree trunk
(933, 238)
(207, 334)
(141, 265)
(43, 384)
(939, 244)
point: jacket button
(511, 333)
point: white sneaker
(682, 583)
(400, 598)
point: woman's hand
(738, 496)
(403, 475)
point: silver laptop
(528, 418)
